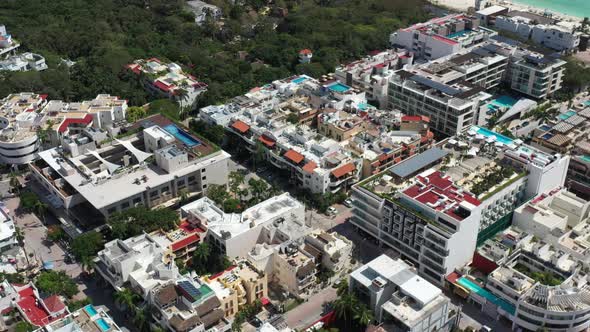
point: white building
(7, 43)
(7, 231)
(276, 220)
(24, 62)
(331, 249)
(139, 261)
(204, 11)
(400, 299)
(441, 36)
(168, 80)
(122, 174)
(89, 319)
(560, 37)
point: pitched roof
(184, 325)
(343, 170)
(67, 122)
(266, 141)
(166, 295)
(294, 156)
(309, 167)
(305, 51)
(240, 126)
(54, 304)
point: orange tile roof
(310, 166)
(240, 126)
(343, 170)
(294, 156)
(266, 141)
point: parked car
(331, 211)
(348, 202)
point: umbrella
(48, 265)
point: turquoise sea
(578, 8)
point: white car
(348, 202)
(332, 211)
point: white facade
(334, 249)
(557, 37)
(24, 62)
(520, 26)
(7, 231)
(399, 299)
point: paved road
(310, 311)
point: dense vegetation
(250, 48)
(137, 220)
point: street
(310, 311)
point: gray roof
(414, 164)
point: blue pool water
(547, 136)
(566, 115)
(362, 106)
(499, 138)
(459, 33)
(103, 324)
(181, 135)
(339, 87)
(90, 310)
(585, 158)
(545, 127)
(502, 101)
(473, 287)
(587, 103)
(299, 80)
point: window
(125, 205)
(154, 193)
(165, 189)
(204, 178)
(136, 200)
(111, 210)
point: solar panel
(435, 85)
(409, 166)
(190, 289)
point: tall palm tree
(14, 183)
(342, 287)
(201, 255)
(40, 209)
(140, 319)
(363, 315)
(345, 306)
(126, 298)
(87, 263)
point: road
(310, 311)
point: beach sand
(464, 5)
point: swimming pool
(182, 135)
(585, 158)
(339, 87)
(362, 106)
(470, 285)
(459, 33)
(499, 138)
(545, 127)
(103, 324)
(300, 79)
(90, 310)
(566, 115)
(502, 101)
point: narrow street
(310, 311)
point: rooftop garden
(493, 178)
(546, 278)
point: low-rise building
(153, 166)
(88, 319)
(238, 286)
(23, 62)
(441, 36)
(399, 299)
(182, 241)
(332, 250)
(204, 11)
(7, 231)
(294, 269)
(168, 80)
(7, 43)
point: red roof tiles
(86, 120)
(309, 167)
(294, 156)
(266, 141)
(187, 241)
(240, 126)
(343, 170)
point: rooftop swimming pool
(339, 87)
(362, 106)
(499, 138)
(585, 158)
(566, 115)
(473, 287)
(459, 33)
(103, 324)
(300, 79)
(182, 135)
(90, 310)
(545, 127)
(502, 101)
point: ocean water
(578, 8)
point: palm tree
(40, 209)
(342, 287)
(201, 254)
(87, 263)
(140, 320)
(345, 306)
(236, 179)
(363, 315)
(14, 183)
(126, 298)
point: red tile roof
(54, 304)
(411, 118)
(240, 126)
(163, 86)
(343, 170)
(305, 51)
(294, 156)
(266, 141)
(309, 167)
(34, 311)
(135, 68)
(445, 40)
(87, 119)
(187, 241)
(217, 275)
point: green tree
(363, 315)
(23, 326)
(236, 179)
(86, 246)
(135, 221)
(55, 233)
(141, 319)
(56, 282)
(14, 183)
(135, 113)
(127, 299)
(259, 189)
(28, 201)
(345, 307)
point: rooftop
(167, 77)
(86, 319)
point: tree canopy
(137, 220)
(56, 282)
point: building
(187, 304)
(400, 299)
(441, 36)
(305, 55)
(153, 165)
(578, 176)
(182, 241)
(204, 11)
(276, 220)
(294, 270)
(168, 80)
(489, 15)
(7, 231)
(23, 62)
(536, 75)
(7, 43)
(332, 250)
(88, 319)
(139, 261)
(37, 310)
(238, 286)
(372, 73)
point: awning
(137, 153)
(266, 141)
(264, 301)
(294, 156)
(240, 126)
(343, 170)
(110, 166)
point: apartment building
(578, 177)
(23, 62)
(441, 36)
(187, 304)
(331, 249)
(399, 298)
(168, 80)
(536, 75)
(295, 270)
(152, 166)
(276, 220)
(238, 286)
(182, 241)
(7, 231)
(88, 318)
(372, 73)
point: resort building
(88, 319)
(536, 75)
(441, 36)
(399, 299)
(168, 80)
(578, 176)
(372, 73)
(238, 286)
(153, 165)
